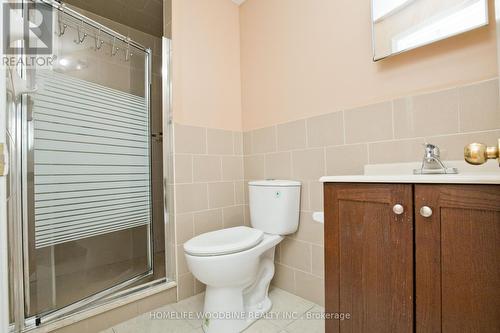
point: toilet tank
(274, 206)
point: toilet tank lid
(275, 183)
(224, 241)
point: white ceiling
(238, 2)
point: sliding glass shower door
(86, 172)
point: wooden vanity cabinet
(394, 270)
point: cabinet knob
(398, 209)
(426, 211)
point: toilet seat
(224, 241)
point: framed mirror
(402, 25)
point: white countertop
(403, 173)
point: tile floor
(304, 318)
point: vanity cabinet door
(369, 257)
(457, 258)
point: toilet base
(230, 317)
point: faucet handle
(431, 150)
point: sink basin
(488, 173)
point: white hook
(114, 48)
(128, 54)
(98, 40)
(80, 39)
(62, 26)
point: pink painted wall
(303, 58)
(206, 63)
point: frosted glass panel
(91, 160)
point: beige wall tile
(316, 196)
(184, 227)
(209, 220)
(308, 164)
(279, 165)
(479, 106)
(191, 198)
(190, 139)
(183, 168)
(428, 114)
(232, 168)
(255, 167)
(247, 143)
(309, 231)
(284, 278)
(318, 261)
(182, 267)
(346, 160)
(239, 193)
(304, 196)
(185, 286)
(452, 146)
(326, 130)
(199, 287)
(238, 143)
(234, 216)
(264, 140)
(206, 168)
(247, 216)
(292, 135)
(220, 142)
(310, 287)
(296, 254)
(369, 123)
(396, 151)
(220, 194)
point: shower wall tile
(343, 142)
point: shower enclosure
(80, 201)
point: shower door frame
(19, 240)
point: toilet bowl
(237, 264)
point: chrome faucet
(432, 164)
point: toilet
(237, 264)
